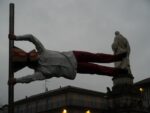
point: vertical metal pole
(11, 73)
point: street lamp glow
(141, 89)
(64, 111)
(88, 111)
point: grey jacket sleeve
(30, 78)
(28, 37)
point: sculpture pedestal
(124, 97)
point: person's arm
(39, 46)
(30, 78)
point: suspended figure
(47, 63)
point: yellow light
(88, 111)
(64, 111)
(141, 89)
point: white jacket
(51, 63)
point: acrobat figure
(50, 63)
(121, 45)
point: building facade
(124, 97)
(144, 89)
(63, 100)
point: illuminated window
(88, 111)
(64, 111)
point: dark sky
(65, 25)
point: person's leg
(82, 56)
(90, 68)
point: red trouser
(85, 66)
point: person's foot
(120, 56)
